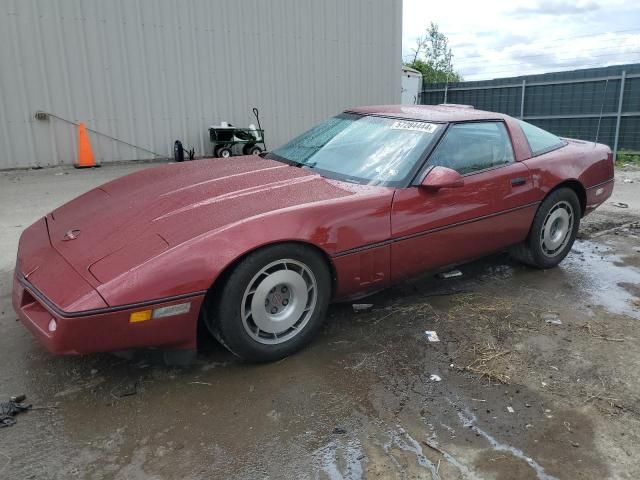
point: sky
(493, 39)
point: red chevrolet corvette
(257, 247)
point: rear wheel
(223, 152)
(252, 149)
(272, 304)
(553, 231)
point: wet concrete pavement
(520, 396)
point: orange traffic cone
(85, 155)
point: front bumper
(105, 329)
(46, 288)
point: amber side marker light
(141, 316)
(144, 315)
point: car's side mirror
(442, 177)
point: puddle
(465, 472)
(339, 462)
(401, 440)
(405, 442)
(599, 274)
(469, 420)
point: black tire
(223, 313)
(224, 152)
(246, 150)
(255, 150)
(178, 151)
(534, 251)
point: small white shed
(411, 85)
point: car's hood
(129, 220)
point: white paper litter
(432, 336)
(450, 274)
(552, 319)
(362, 307)
(435, 378)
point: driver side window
(474, 146)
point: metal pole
(524, 84)
(619, 116)
(445, 93)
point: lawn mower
(227, 140)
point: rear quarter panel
(588, 163)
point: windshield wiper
(278, 158)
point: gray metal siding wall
(566, 103)
(151, 71)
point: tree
(432, 57)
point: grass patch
(627, 157)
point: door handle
(518, 181)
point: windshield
(363, 149)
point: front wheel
(272, 304)
(553, 230)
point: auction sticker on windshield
(415, 126)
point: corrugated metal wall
(151, 71)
